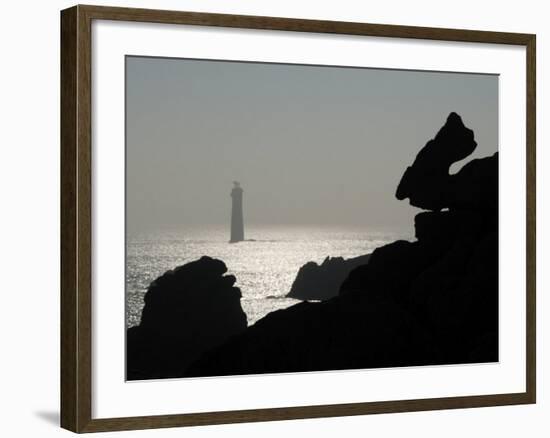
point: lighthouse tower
(237, 223)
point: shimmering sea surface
(265, 267)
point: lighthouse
(237, 223)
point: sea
(265, 264)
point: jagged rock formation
(431, 301)
(321, 282)
(427, 183)
(188, 310)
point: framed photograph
(271, 218)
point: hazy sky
(309, 144)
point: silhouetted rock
(457, 297)
(391, 268)
(187, 311)
(475, 186)
(321, 282)
(432, 301)
(342, 333)
(451, 224)
(427, 182)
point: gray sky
(309, 144)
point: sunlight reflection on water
(265, 267)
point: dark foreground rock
(427, 182)
(188, 310)
(341, 333)
(321, 282)
(432, 301)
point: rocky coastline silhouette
(187, 311)
(321, 282)
(426, 302)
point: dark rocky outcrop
(188, 310)
(321, 282)
(427, 182)
(431, 301)
(342, 333)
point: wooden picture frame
(76, 217)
